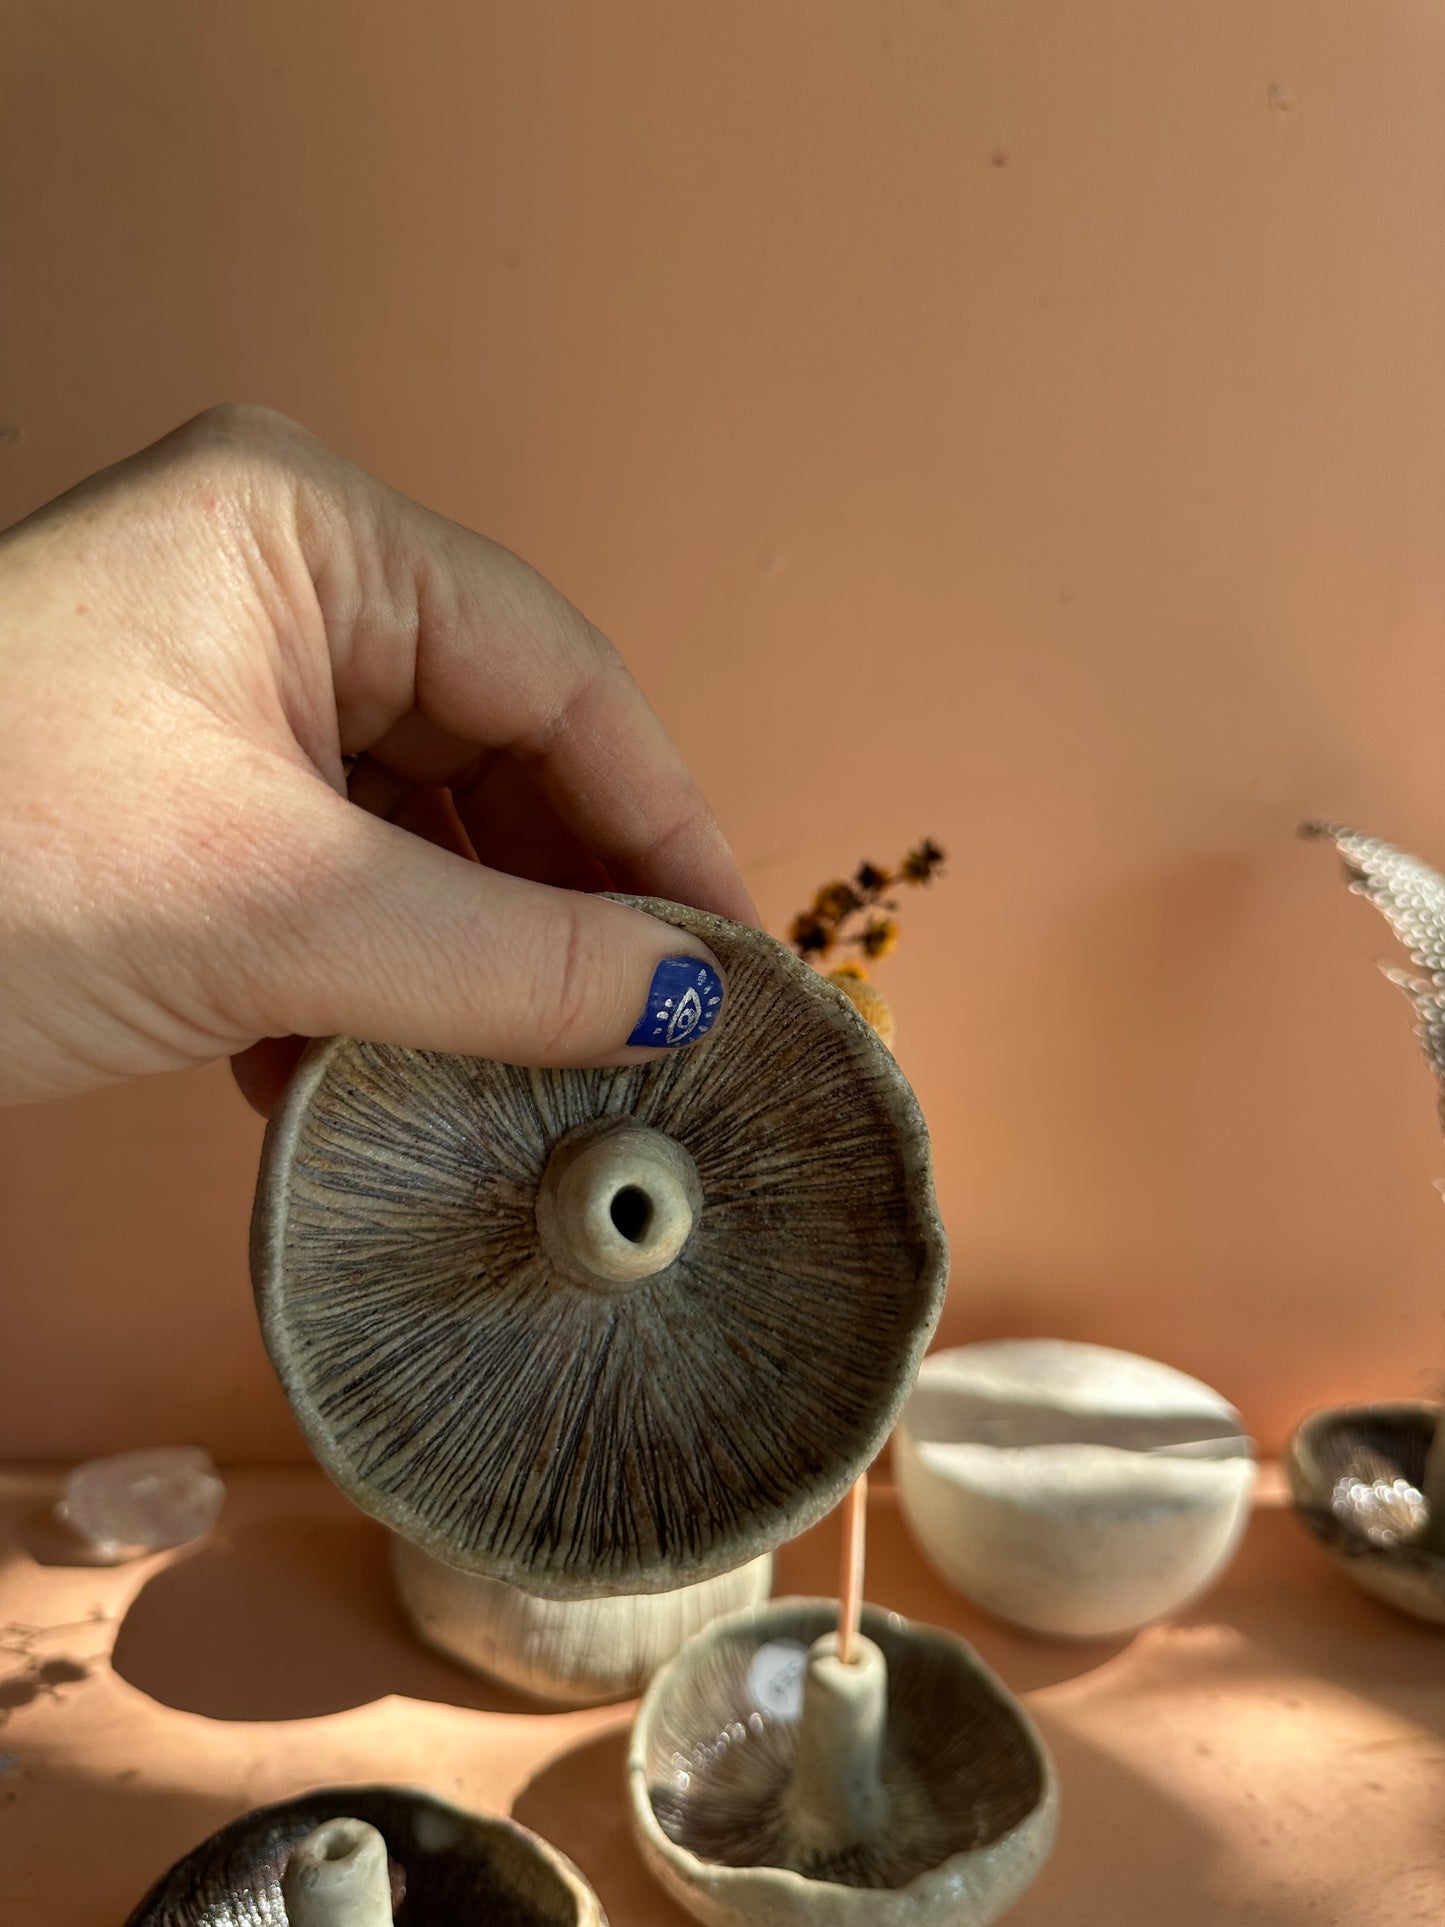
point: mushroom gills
(338, 1877)
(613, 1332)
(355, 1856)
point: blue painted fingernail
(684, 1001)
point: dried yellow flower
(869, 1002)
(880, 937)
(835, 901)
(919, 865)
(808, 935)
(840, 907)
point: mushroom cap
(1356, 1474)
(430, 1299)
(1073, 1489)
(571, 1652)
(969, 1787)
(869, 1002)
(457, 1867)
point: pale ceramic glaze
(572, 1652)
(339, 1876)
(488, 1354)
(1362, 1478)
(453, 1869)
(772, 1784)
(1072, 1489)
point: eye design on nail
(686, 1018)
(682, 1004)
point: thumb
(367, 930)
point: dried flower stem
(834, 917)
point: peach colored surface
(1017, 423)
(1271, 1758)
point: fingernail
(684, 1001)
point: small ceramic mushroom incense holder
(1369, 1480)
(609, 1331)
(363, 1856)
(1361, 1480)
(774, 1782)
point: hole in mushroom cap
(632, 1213)
(616, 1203)
(342, 1840)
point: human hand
(194, 646)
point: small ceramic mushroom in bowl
(1073, 1489)
(571, 1652)
(361, 1856)
(616, 1331)
(1369, 1482)
(774, 1782)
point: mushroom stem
(1432, 1538)
(850, 1587)
(617, 1203)
(338, 1877)
(837, 1798)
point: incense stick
(850, 1588)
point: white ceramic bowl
(573, 1652)
(1070, 1488)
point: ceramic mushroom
(572, 1652)
(1369, 1480)
(610, 1331)
(1073, 1489)
(1359, 1480)
(357, 1856)
(771, 1782)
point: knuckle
(239, 424)
(560, 1014)
(240, 447)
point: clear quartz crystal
(138, 1502)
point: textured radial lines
(966, 1784)
(573, 1439)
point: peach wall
(1017, 422)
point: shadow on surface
(579, 1802)
(287, 1618)
(1294, 1606)
(1123, 1843)
(109, 1835)
(49, 1543)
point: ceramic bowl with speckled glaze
(1073, 1489)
